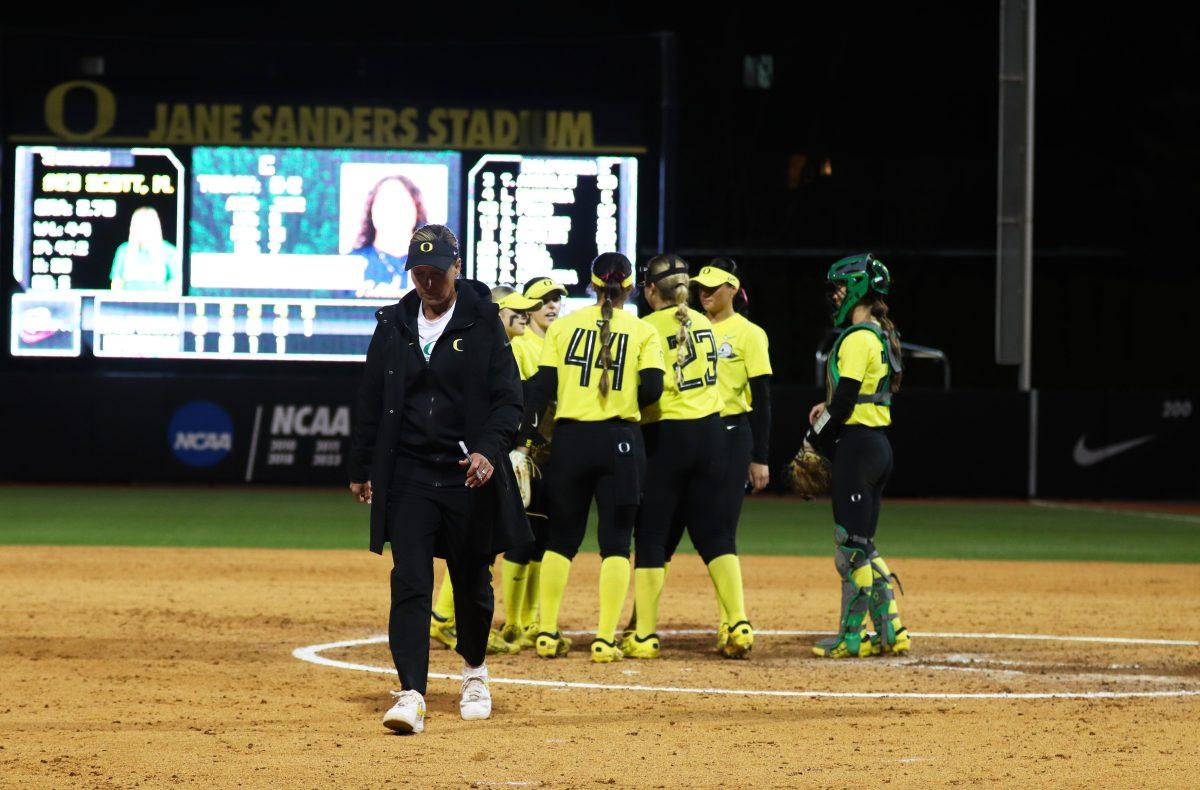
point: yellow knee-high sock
(444, 606)
(551, 587)
(614, 586)
(529, 605)
(647, 588)
(726, 573)
(512, 587)
(722, 609)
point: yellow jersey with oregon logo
(572, 346)
(861, 356)
(528, 353)
(698, 396)
(741, 355)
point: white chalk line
(1119, 640)
(312, 654)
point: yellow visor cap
(711, 277)
(539, 288)
(515, 301)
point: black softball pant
(605, 460)
(684, 468)
(423, 519)
(539, 522)
(733, 459)
(861, 468)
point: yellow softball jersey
(572, 345)
(861, 356)
(741, 355)
(528, 354)
(698, 396)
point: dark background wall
(900, 101)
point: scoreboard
(225, 252)
(536, 216)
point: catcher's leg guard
(852, 562)
(891, 636)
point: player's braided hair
(673, 289)
(611, 291)
(879, 311)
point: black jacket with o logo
(469, 391)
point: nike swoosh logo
(730, 427)
(1086, 457)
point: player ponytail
(612, 277)
(879, 311)
(608, 294)
(673, 289)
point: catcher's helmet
(862, 275)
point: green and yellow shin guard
(647, 589)
(513, 577)
(614, 585)
(857, 580)
(885, 614)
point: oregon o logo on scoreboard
(200, 433)
(55, 109)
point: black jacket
(492, 407)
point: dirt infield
(161, 667)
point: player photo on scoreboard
(382, 205)
(322, 224)
(91, 219)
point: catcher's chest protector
(883, 393)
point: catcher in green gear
(850, 429)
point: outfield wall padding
(132, 428)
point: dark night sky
(902, 101)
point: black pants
(539, 522)
(605, 460)
(734, 468)
(421, 519)
(861, 469)
(684, 466)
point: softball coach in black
(438, 410)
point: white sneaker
(476, 700)
(408, 714)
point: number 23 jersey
(572, 347)
(698, 395)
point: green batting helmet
(862, 275)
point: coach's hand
(815, 412)
(362, 492)
(479, 471)
(760, 475)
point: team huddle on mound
(663, 422)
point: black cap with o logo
(439, 253)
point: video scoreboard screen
(542, 216)
(280, 253)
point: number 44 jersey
(690, 384)
(572, 347)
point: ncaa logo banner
(200, 434)
(299, 443)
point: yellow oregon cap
(515, 301)
(711, 277)
(540, 287)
